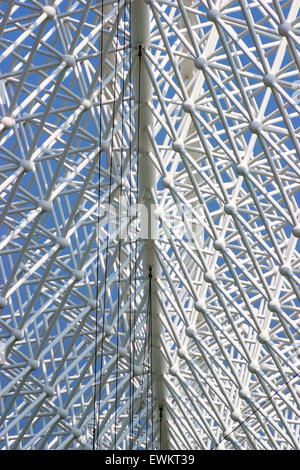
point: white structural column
(191, 105)
(147, 182)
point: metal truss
(186, 336)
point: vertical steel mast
(147, 183)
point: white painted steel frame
(216, 144)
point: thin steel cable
(160, 427)
(151, 369)
(110, 158)
(257, 409)
(137, 202)
(149, 381)
(131, 320)
(119, 241)
(98, 235)
(144, 370)
(136, 240)
(147, 343)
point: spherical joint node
(219, 244)
(263, 337)
(209, 276)
(284, 28)
(33, 363)
(105, 145)
(255, 127)
(3, 302)
(168, 182)
(227, 433)
(45, 205)
(174, 370)
(27, 165)
(178, 146)
(49, 391)
(76, 432)
(236, 415)
(62, 242)
(69, 60)
(86, 104)
(230, 209)
(242, 169)
(50, 11)
(269, 80)
(188, 106)
(296, 231)
(200, 305)
(108, 330)
(182, 353)
(8, 122)
(274, 306)
(253, 367)
(62, 412)
(18, 334)
(200, 63)
(77, 274)
(285, 270)
(244, 393)
(213, 14)
(190, 332)
(92, 304)
(122, 351)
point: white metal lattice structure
(190, 107)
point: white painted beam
(147, 182)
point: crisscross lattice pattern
(225, 142)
